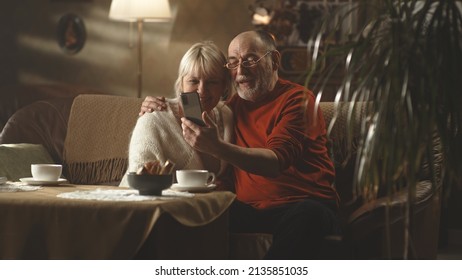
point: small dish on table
(194, 189)
(33, 182)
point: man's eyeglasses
(248, 63)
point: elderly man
(282, 172)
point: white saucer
(196, 189)
(33, 182)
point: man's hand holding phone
(202, 138)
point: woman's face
(210, 89)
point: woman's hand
(151, 104)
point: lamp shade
(147, 10)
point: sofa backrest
(37, 114)
(343, 143)
(14, 97)
(42, 122)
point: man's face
(252, 83)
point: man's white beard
(260, 88)
(249, 94)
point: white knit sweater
(158, 136)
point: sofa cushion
(15, 159)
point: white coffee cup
(194, 177)
(46, 172)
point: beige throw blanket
(95, 148)
(158, 136)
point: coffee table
(40, 225)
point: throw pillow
(15, 159)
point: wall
(29, 52)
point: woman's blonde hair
(205, 59)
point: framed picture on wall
(71, 33)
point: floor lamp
(139, 11)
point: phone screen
(192, 107)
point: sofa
(67, 121)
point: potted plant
(406, 62)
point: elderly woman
(158, 135)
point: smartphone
(192, 107)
